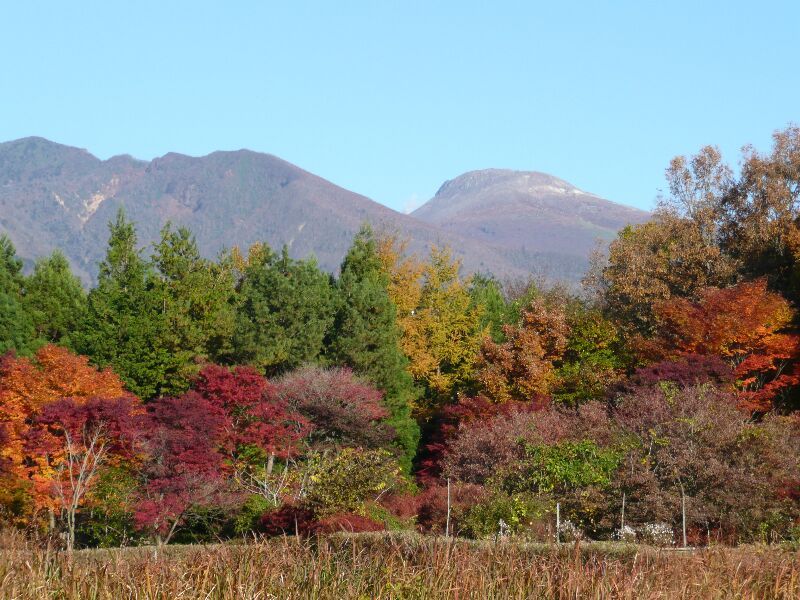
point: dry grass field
(396, 566)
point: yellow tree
(440, 328)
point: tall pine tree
(284, 311)
(55, 299)
(366, 336)
(16, 328)
(195, 296)
(124, 324)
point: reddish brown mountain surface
(536, 221)
(56, 196)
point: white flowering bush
(657, 534)
(569, 532)
(625, 534)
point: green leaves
(366, 336)
(285, 308)
(563, 467)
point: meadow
(382, 565)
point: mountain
(55, 196)
(537, 222)
(503, 222)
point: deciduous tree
(70, 441)
(522, 367)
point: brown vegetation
(391, 566)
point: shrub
(569, 532)
(343, 409)
(657, 534)
(286, 520)
(348, 522)
(432, 515)
(517, 513)
(345, 481)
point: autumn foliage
(746, 325)
(404, 392)
(28, 385)
(521, 368)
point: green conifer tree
(124, 324)
(284, 311)
(16, 327)
(55, 299)
(366, 336)
(195, 296)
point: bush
(517, 513)
(343, 409)
(657, 534)
(286, 520)
(348, 522)
(569, 532)
(432, 511)
(251, 513)
(345, 481)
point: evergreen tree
(195, 296)
(485, 292)
(285, 309)
(16, 328)
(55, 299)
(366, 336)
(124, 324)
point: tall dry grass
(384, 566)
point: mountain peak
(533, 218)
(473, 181)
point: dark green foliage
(594, 356)
(124, 321)
(16, 327)
(196, 300)
(366, 337)
(55, 299)
(284, 311)
(108, 522)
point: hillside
(56, 196)
(536, 221)
(503, 222)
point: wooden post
(683, 511)
(447, 526)
(558, 522)
(622, 522)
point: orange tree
(28, 385)
(747, 326)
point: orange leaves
(729, 322)
(521, 368)
(27, 385)
(745, 325)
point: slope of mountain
(504, 222)
(538, 222)
(55, 196)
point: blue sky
(390, 99)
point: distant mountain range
(508, 223)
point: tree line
(184, 398)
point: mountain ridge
(57, 196)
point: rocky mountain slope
(536, 221)
(56, 196)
